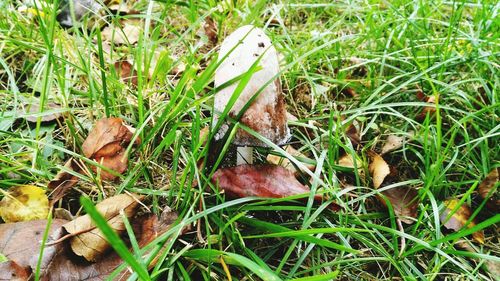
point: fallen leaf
(353, 135)
(404, 202)
(88, 241)
(117, 163)
(34, 110)
(427, 109)
(13, 238)
(347, 161)
(268, 181)
(350, 92)
(64, 181)
(127, 33)
(11, 271)
(126, 72)
(458, 219)
(24, 203)
(210, 29)
(107, 131)
(392, 143)
(58, 263)
(487, 188)
(285, 162)
(106, 145)
(378, 168)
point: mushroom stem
(244, 155)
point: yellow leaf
(24, 203)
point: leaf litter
(59, 262)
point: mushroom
(267, 113)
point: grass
(384, 51)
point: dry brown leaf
(404, 201)
(64, 181)
(117, 163)
(427, 109)
(126, 72)
(88, 241)
(269, 181)
(58, 263)
(353, 135)
(285, 162)
(210, 29)
(392, 143)
(35, 109)
(106, 144)
(107, 131)
(379, 169)
(487, 188)
(24, 203)
(13, 238)
(458, 219)
(128, 33)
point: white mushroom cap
(267, 114)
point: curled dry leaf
(34, 110)
(24, 203)
(269, 181)
(210, 30)
(404, 201)
(88, 241)
(353, 135)
(458, 219)
(428, 109)
(487, 189)
(64, 180)
(285, 162)
(379, 169)
(126, 72)
(106, 145)
(58, 262)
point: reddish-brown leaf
(269, 181)
(427, 109)
(106, 131)
(106, 144)
(126, 72)
(210, 28)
